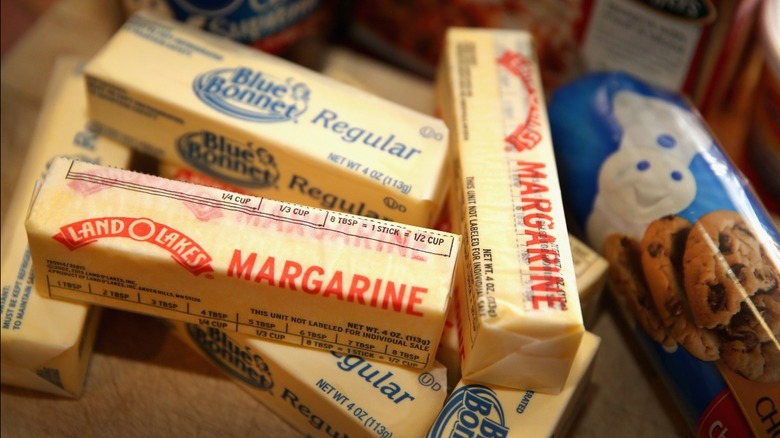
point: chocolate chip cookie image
(627, 280)
(750, 341)
(733, 287)
(662, 249)
(759, 363)
(725, 264)
(758, 320)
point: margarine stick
(350, 68)
(270, 269)
(46, 344)
(476, 409)
(589, 267)
(590, 270)
(325, 394)
(519, 313)
(265, 125)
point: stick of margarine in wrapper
(46, 344)
(322, 393)
(270, 269)
(591, 273)
(477, 409)
(266, 126)
(350, 68)
(519, 312)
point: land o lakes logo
(232, 161)
(252, 95)
(471, 410)
(183, 249)
(238, 361)
(530, 132)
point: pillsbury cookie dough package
(694, 257)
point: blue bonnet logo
(252, 95)
(471, 410)
(238, 361)
(242, 164)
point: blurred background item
(763, 143)
(411, 33)
(282, 27)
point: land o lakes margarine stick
(265, 125)
(270, 269)
(322, 393)
(46, 344)
(476, 409)
(590, 270)
(519, 313)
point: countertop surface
(143, 381)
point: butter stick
(47, 344)
(270, 269)
(265, 125)
(325, 394)
(519, 313)
(476, 409)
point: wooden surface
(143, 382)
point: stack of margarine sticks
(389, 273)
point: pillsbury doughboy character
(647, 177)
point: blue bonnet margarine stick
(269, 269)
(47, 344)
(477, 409)
(518, 313)
(265, 125)
(322, 393)
(350, 68)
